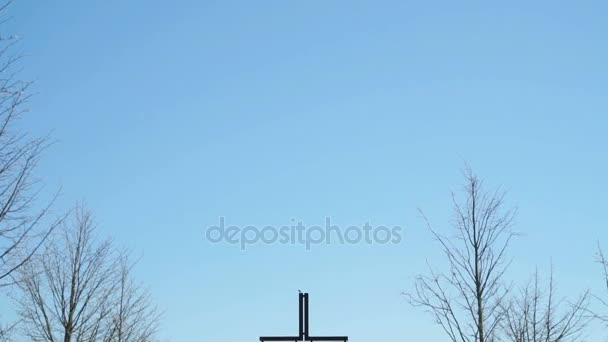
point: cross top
(303, 323)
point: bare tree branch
(466, 300)
(602, 315)
(536, 316)
(23, 227)
(80, 289)
(134, 317)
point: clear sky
(170, 114)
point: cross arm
(326, 338)
(280, 338)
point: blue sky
(168, 115)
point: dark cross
(304, 332)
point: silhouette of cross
(304, 332)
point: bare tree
(536, 315)
(134, 318)
(22, 228)
(65, 291)
(603, 261)
(79, 290)
(466, 299)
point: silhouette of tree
(603, 261)
(22, 227)
(134, 318)
(466, 300)
(80, 290)
(535, 315)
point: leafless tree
(79, 290)
(22, 225)
(134, 318)
(466, 299)
(536, 315)
(65, 290)
(601, 314)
